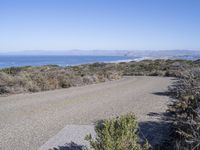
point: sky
(99, 24)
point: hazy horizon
(96, 50)
(129, 53)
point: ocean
(36, 60)
(17, 61)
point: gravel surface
(27, 121)
(72, 137)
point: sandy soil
(27, 121)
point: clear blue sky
(99, 24)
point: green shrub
(117, 134)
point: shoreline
(122, 60)
(62, 61)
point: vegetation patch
(186, 111)
(33, 79)
(117, 134)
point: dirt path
(28, 120)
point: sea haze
(17, 61)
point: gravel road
(27, 121)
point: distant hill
(69, 52)
(151, 54)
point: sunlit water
(16, 61)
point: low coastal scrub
(117, 134)
(34, 79)
(186, 111)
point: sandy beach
(27, 121)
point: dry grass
(33, 79)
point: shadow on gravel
(70, 146)
(162, 93)
(157, 133)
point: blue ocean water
(16, 61)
